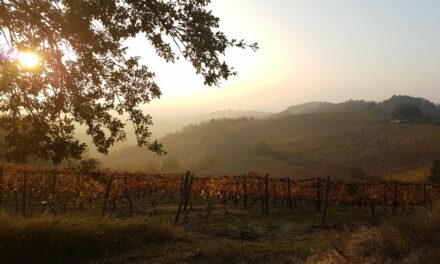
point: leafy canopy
(85, 76)
(407, 111)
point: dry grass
(408, 239)
(48, 239)
(418, 174)
(239, 237)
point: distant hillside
(301, 145)
(326, 107)
(164, 126)
(431, 112)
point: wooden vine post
(318, 196)
(266, 194)
(236, 196)
(106, 195)
(184, 188)
(54, 181)
(361, 199)
(1, 186)
(425, 198)
(289, 194)
(127, 195)
(208, 198)
(324, 206)
(150, 197)
(187, 193)
(395, 201)
(138, 189)
(25, 180)
(373, 209)
(245, 191)
(384, 197)
(183, 183)
(188, 196)
(182, 178)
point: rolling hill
(296, 145)
(431, 111)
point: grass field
(240, 236)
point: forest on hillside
(301, 144)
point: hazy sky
(310, 50)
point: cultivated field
(64, 216)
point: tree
(89, 167)
(85, 77)
(407, 111)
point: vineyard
(29, 191)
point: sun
(28, 59)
